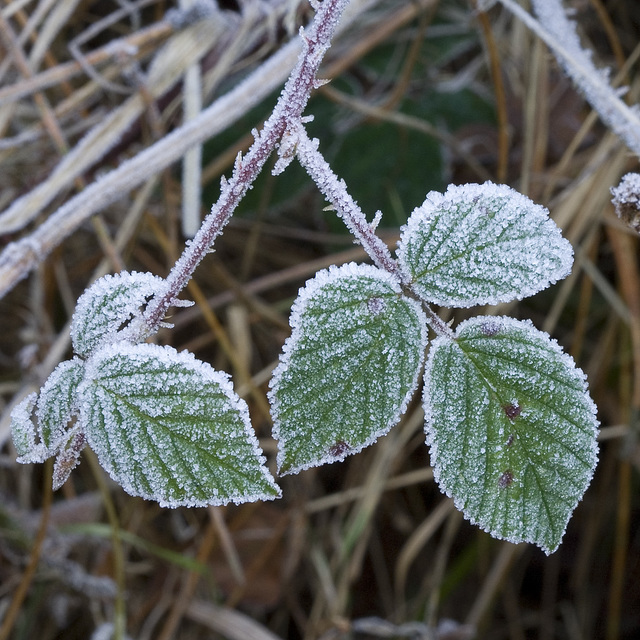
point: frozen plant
(560, 35)
(626, 200)
(510, 424)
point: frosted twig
(288, 110)
(335, 190)
(558, 33)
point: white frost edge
(435, 201)
(151, 285)
(43, 400)
(168, 355)
(23, 432)
(307, 293)
(503, 321)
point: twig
(288, 110)
(558, 33)
(19, 258)
(336, 192)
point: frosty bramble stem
(288, 111)
(511, 426)
(347, 208)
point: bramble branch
(286, 113)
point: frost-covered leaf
(512, 428)
(58, 402)
(626, 200)
(56, 406)
(168, 427)
(108, 305)
(481, 244)
(68, 456)
(23, 432)
(349, 368)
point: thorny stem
(288, 110)
(335, 190)
(284, 129)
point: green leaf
(55, 408)
(512, 428)
(58, 402)
(349, 368)
(23, 432)
(108, 306)
(481, 244)
(168, 427)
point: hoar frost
(349, 368)
(511, 427)
(107, 307)
(165, 425)
(481, 244)
(168, 427)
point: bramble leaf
(57, 402)
(23, 432)
(512, 428)
(170, 428)
(55, 407)
(481, 244)
(108, 305)
(349, 368)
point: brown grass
(368, 548)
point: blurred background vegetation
(425, 93)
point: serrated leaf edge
(428, 417)
(305, 294)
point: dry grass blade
(229, 623)
(93, 102)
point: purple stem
(286, 114)
(335, 190)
